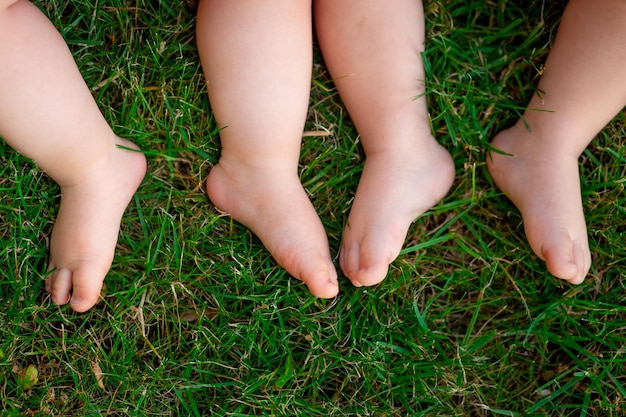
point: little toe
(49, 278)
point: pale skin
(48, 114)
(257, 58)
(583, 86)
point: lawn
(197, 319)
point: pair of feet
(395, 188)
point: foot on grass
(271, 202)
(85, 232)
(395, 188)
(544, 184)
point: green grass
(198, 319)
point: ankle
(115, 165)
(533, 145)
(257, 169)
(400, 143)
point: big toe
(568, 260)
(364, 265)
(316, 271)
(87, 285)
(80, 287)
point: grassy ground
(198, 319)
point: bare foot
(85, 232)
(395, 188)
(544, 184)
(271, 202)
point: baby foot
(273, 204)
(544, 185)
(85, 233)
(395, 188)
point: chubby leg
(47, 113)
(257, 58)
(580, 91)
(373, 50)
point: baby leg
(582, 87)
(257, 58)
(48, 114)
(373, 50)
